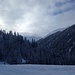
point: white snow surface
(36, 70)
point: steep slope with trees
(58, 48)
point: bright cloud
(36, 17)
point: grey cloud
(58, 7)
(12, 10)
(35, 17)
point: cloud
(58, 7)
(36, 17)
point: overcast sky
(36, 17)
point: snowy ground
(36, 70)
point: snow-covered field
(36, 70)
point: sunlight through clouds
(1, 24)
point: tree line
(55, 49)
(14, 48)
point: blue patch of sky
(58, 4)
(62, 11)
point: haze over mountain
(60, 30)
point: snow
(73, 43)
(1, 62)
(68, 34)
(70, 49)
(69, 40)
(36, 70)
(73, 30)
(23, 61)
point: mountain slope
(58, 48)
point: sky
(36, 17)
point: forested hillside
(14, 48)
(55, 49)
(58, 48)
